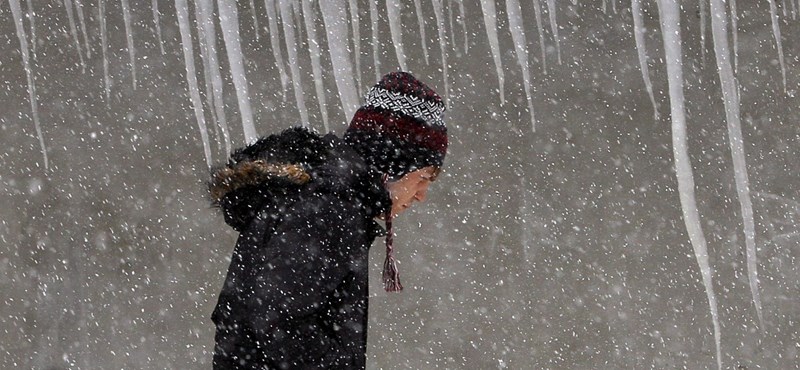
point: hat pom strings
(391, 276)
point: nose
(421, 194)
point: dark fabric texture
(295, 296)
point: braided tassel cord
(391, 277)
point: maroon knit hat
(398, 130)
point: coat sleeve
(295, 273)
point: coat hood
(280, 167)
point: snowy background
(563, 247)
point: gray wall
(562, 248)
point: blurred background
(561, 248)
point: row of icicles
(336, 18)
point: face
(413, 187)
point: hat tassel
(391, 276)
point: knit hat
(399, 130)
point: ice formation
(126, 14)
(393, 11)
(669, 14)
(284, 7)
(514, 12)
(182, 11)
(316, 65)
(229, 22)
(335, 17)
(16, 13)
(490, 21)
(730, 95)
(641, 49)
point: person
(295, 295)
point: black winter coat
(295, 295)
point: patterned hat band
(428, 111)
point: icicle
(201, 41)
(794, 9)
(335, 18)
(373, 15)
(551, 11)
(229, 22)
(463, 24)
(298, 18)
(207, 37)
(126, 14)
(255, 18)
(32, 20)
(638, 33)
(604, 7)
(208, 33)
(284, 7)
(316, 67)
(735, 32)
(74, 32)
(101, 12)
(394, 12)
(272, 21)
(517, 28)
(537, 11)
(16, 13)
(730, 94)
(354, 20)
(776, 31)
(783, 8)
(450, 20)
(82, 21)
(670, 31)
(437, 11)
(490, 20)
(157, 23)
(182, 11)
(421, 21)
(703, 31)
(614, 6)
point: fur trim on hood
(253, 173)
